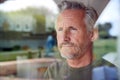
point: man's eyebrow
(60, 28)
(72, 27)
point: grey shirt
(61, 71)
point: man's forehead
(71, 18)
(71, 13)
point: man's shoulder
(57, 65)
(54, 70)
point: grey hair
(91, 14)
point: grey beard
(66, 57)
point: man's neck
(85, 60)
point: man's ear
(95, 34)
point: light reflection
(13, 5)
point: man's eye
(72, 28)
(60, 29)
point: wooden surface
(8, 78)
(10, 67)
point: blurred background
(27, 35)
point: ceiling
(98, 5)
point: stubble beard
(78, 52)
(68, 55)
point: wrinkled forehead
(72, 14)
(71, 17)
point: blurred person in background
(50, 44)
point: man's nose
(66, 35)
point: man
(75, 35)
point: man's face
(72, 35)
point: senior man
(75, 35)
